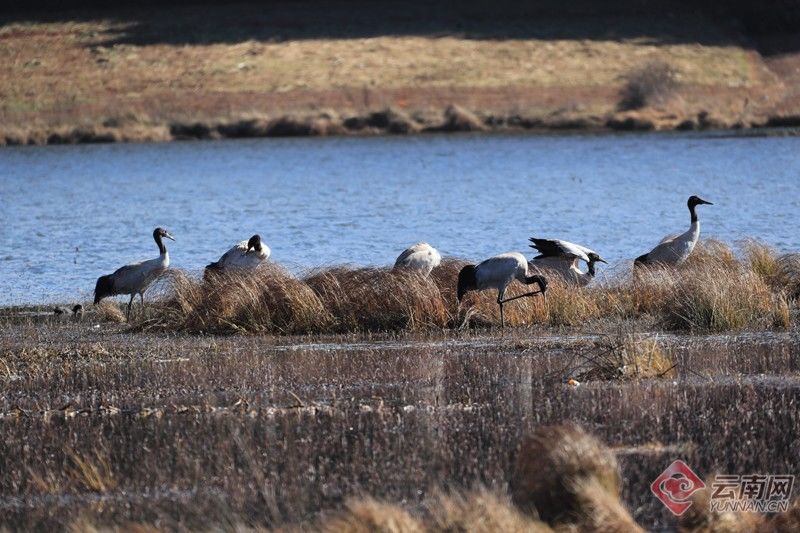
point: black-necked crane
(134, 279)
(245, 255)
(497, 273)
(562, 259)
(674, 250)
(421, 257)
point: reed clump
(625, 357)
(367, 515)
(269, 299)
(552, 462)
(379, 299)
(714, 291)
(566, 476)
(479, 511)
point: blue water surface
(71, 213)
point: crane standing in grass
(497, 273)
(562, 259)
(674, 250)
(245, 255)
(134, 279)
(422, 257)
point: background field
(211, 69)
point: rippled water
(71, 213)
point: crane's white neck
(694, 230)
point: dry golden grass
(713, 292)
(368, 515)
(624, 356)
(379, 299)
(699, 518)
(267, 300)
(554, 464)
(479, 511)
(221, 64)
(106, 311)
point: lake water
(71, 213)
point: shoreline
(395, 121)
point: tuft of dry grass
(269, 299)
(379, 299)
(368, 515)
(91, 473)
(624, 356)
(788, 276)
(106, 311)
(762, 260)
(479, 511)
(699, 518)
(715, 299)
(552, 465)
(713, 291)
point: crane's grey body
(497, 273)
(675, 249)
(246, 255)
(135, 278)
(421, 257)
(562, 259)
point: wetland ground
(106, 426)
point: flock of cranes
(557, 259)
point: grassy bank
(307, 68)
(715, 291)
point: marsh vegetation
(106, 426)
(717, 290)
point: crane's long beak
(705, 202)
(602, 260)
(169, 236)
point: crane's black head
(254, 243)
(161, 232)
(103, 288)
(466, 281)
(594, 257)
(696, 200)
(77, 309)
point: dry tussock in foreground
(564, 480)
(715, 291)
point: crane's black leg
(130, 303)
(534, 293)
(500, 302)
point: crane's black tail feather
(104, 287)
